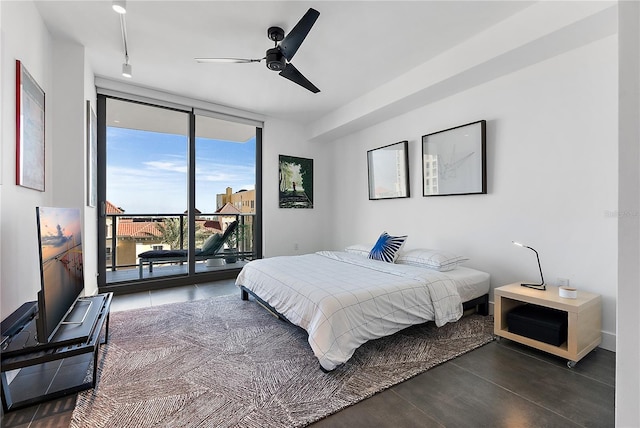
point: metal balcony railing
(125, 233)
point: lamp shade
(120, 6)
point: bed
(343, 299)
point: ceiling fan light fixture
(126, 70)
(120, 6)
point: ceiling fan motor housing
(275, 33)
(275, 60)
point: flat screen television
(61, 267)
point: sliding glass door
(225, 190)
(178, 195)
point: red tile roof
(142, 229)
(112, 209)
(212, 224)
(228, 209)
(149, 229)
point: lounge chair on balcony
(209, 249)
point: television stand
(76, 327)
(60, 367)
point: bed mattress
(343, 300)
(470, 283)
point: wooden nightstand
(584, 319)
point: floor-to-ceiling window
(172, 183)
(225, 191)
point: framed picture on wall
(454, 161)
(388, 169)
(30, 130)
(295, 182)
(92, 161)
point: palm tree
(170, 233)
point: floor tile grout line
(428, 415)
(504, 388)
(552, 364)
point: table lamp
(540, 286)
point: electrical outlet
(563, 282)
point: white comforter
(343, 300)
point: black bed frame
(244, 295)
(480, 304)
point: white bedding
(470, 283)
(343, 300)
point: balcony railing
(130, 234)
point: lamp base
(541, 287)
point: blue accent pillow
(387, 247)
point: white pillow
(442, 261)
(359, 249)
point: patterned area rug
(226, 362)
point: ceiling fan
(278, 57)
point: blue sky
(147, 171)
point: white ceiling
(354, 47)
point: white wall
(90, 213)
(552, 177)
(28, 40)
(61, 70)
(1, 145)
(72, 86)
(628, 349)
(286, 228)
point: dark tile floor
(502, 384)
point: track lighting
(126, 70)
(119, 6)
(126, 67)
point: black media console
(34, 372)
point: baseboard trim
(608, 341)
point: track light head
(126, 70)
(120, 6)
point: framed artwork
(92, 160)
(454, 161)
(388, 169)
(30, 110)
(296, 182)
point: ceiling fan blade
(227, 60)
(292, 73)
(290, 44)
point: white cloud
(167, 166)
